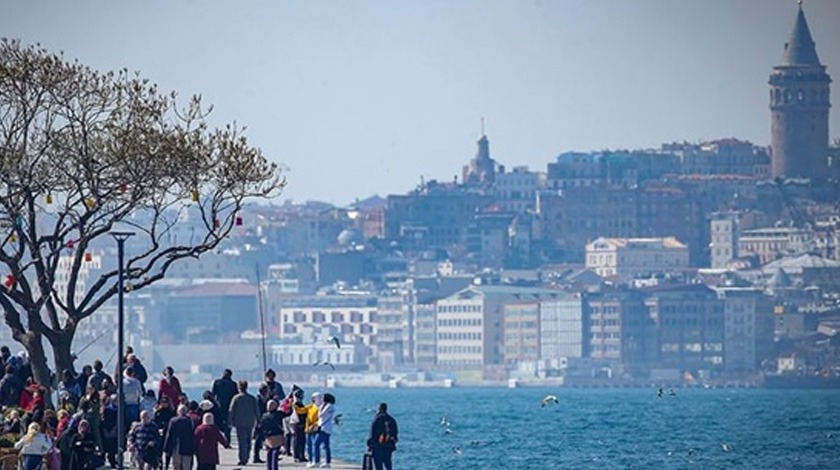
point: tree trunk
(62, 353)
(37, 359)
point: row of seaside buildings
(630, 264)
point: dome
(350, 237)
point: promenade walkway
(228, 458)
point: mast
(262, 317)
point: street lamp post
(120, 237)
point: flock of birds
(549, 400)
(331, 340)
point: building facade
(626, 258)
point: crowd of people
(164, 427)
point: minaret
(799, 104)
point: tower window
(800, 96)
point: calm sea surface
(497, 428)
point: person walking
(169, 385)
(82, 453)
(132, 392)
(206, 441)
(145, 440)
(326, 417)
(383, 438)
(271, 427)
(224, 389)
(179, 443)
(243, 415)
(33, 446)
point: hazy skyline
(365, 97)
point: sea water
(496, 428)
(499, 428)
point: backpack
(385, 436)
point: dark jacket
(145, 439)
(384, 433)
(180, 435)
(271, 423)
(206, 440)
(10, 389)
(224, 389)
(82, 452)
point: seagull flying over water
(444, 421)
(725, 446)
(549, 399)
(324, 363)
(457, 450)
(660, 393)
(334, 339)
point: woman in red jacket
(207, 438)
(169, 385)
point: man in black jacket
(384, 435)
(179, 440)
(224, 389)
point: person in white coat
(33, 446)
(326, 421)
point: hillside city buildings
(715, 260)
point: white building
(724, 244)
(775, 242)
(350, 317)
(516, 191)
(747, 328)
(627, 258)
(470, 324)
(561, 327)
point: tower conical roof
(800, 48)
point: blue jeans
(310, 445)
(132, 414)
(322, 438)
(31, 462)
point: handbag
(367, 461)
(275, 441)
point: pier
(228, 461)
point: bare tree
(83, 152)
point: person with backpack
(383, 438)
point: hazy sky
(363, 97)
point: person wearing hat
(275, 388)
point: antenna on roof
(482, 125)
